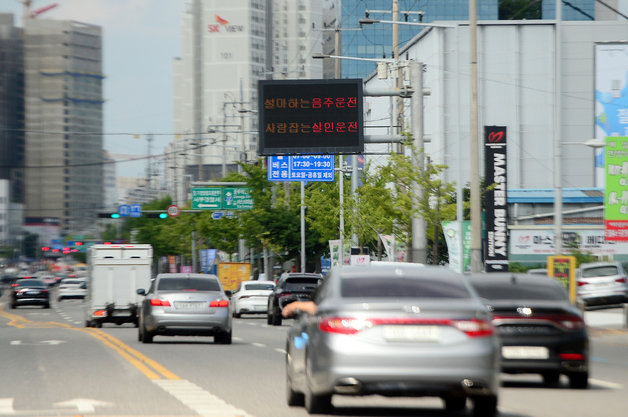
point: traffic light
(155, 215)
(109, 215)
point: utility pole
(419, 243)
(399, 76)
(558, 191)
(341, 177)
(476, 208)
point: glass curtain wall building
(376, 41)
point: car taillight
(219, 303)
(343, 325)
(347, 325)
(572, 356)
(622, 280)
(160, 303)
(474, 327)
(581, 283)
(14, 285)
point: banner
(396, 249)
(459, 260)
(495, 161)
(207, 257)
(335, 253)
(616, 190)
(611, 97)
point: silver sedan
(394, 330)
(185, 304)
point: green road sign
(222, 198)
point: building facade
(228, 46)
(63, 122)
(518, 85)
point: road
(53, 366)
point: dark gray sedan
(395, 330)
(185, 304)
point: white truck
(115, 273)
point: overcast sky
(140, 40)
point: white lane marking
(6, 406)
(283, 351)
(199, 400)
(606, 384)
(237, 339)
(258, 344)
(83, 405)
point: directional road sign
(124, 210)
(222, 198)
(314, 168)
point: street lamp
(369, 21)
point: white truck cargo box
(116, 272)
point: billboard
(310, 117)
(611, 97)
(495, 202)
(616, 189)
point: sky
(140, 40)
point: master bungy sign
(495, 201)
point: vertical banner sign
(616, 190)
(611, 97)
(495, 201)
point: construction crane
(28, 14)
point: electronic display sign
(310, 117)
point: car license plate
(411, 333)
(122, 313)
(184, 305)
(525, 352)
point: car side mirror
(141, 291)
(228, 293)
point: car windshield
(391, 287)
(600, 271)
(250, 287)
(506, 291)
(189, 284)
(296, 284)
(30, 283)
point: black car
(29, 292)
(541, 331)
(291, 287)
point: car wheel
(88, 323)
(59, 299)
(223, 338)
(453, 404)
(551, 378)
(97, 324)
(276, 317)
(317, 404)
(485, 406)
(236, 315)
(579, 380)
(269, 318)
(12, 306)
(47, 305)
(293, 398)
(147, 337)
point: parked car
(601, 283)
(72, 288)
(541, 331)
(394, 330)
(28, 291)
(251, 297)
(290, 287)
(185, 304)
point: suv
(602, 283)
(291, 287)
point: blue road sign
(310, 168)
(217, 214)
(124, 210)
(136, 210)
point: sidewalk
(610, 318)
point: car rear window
(506, 291)
(302, 283)
(72, 281)
(390, 287)
(249, 287)
(194, 284)
(30, 283)
(600, 271)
